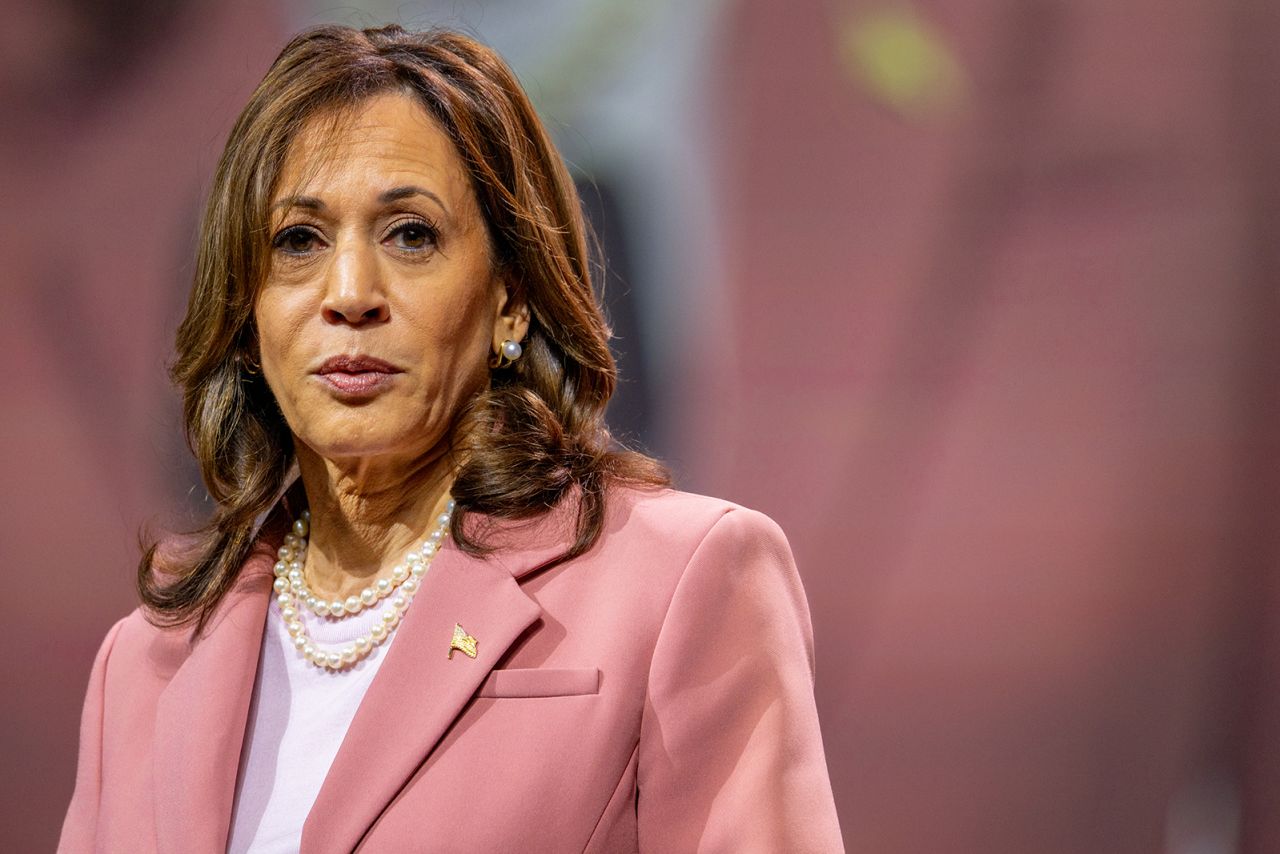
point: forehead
(387, 140)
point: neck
(365, 515)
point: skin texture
(407, 280)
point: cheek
(280, 337)
(458, 330)
(278, 314)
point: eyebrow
(395, 194)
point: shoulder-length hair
(534, 436)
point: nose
(354, 293)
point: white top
(297, 719)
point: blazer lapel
(202, 713)
(418, 692)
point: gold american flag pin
(462, 642)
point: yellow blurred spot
(902, 61)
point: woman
(468, 622)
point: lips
(356, 376)
(357, 364)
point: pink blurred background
(977, 299)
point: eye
(414, 236)
(295, 240)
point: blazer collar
(201, 714)
(417, 693)
(523, 546)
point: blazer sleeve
(730, 754)
(79, 828)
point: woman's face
(381, 305)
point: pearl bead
(292, 593)
(512, 349)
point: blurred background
(977, 298)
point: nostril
(334, 315)
(354, 313)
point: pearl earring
(507, 354)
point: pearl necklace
(292, 592)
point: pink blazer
(655, 694)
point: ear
(511, 319)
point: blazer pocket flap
(540, 682)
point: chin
(366, 437)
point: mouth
(356, 376)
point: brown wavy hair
(534, 437)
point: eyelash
(432, 234)
(281, 240)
